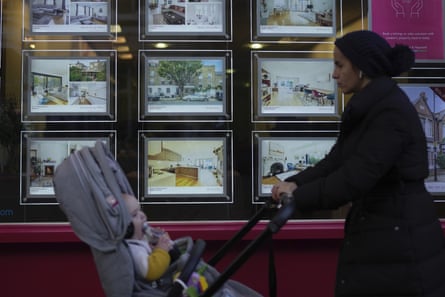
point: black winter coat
(394, 244)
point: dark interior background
(350, 15)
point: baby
(151, 260)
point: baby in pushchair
(89, 186)
(153, 254)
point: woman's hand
(283, 187)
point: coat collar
(362, 102)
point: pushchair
(89, 185)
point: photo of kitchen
(281, 158)
(181, 166)
(296, 86)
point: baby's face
(138, 217)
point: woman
(394, 244)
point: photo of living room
(88, 13)
(43, 157)
(64, 85)
(185, 166)
(296, 16)
(297, 86)
(281, 158)
(69, 16)
(50, 12)
(184, 16)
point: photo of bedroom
(296, 86)
(181, 167)
(313, 17)
(68, 85)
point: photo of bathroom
(182, 166)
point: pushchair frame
(103, 228)
(285, 210)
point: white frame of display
(285, 143)
(186, 30)
(99, 93)
(42, 193)
(177, 109)
(184, 143)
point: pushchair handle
(284, 213)
(180, 283)
(287, 209)
(269, 204)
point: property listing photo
(184, 85)
(429, 101)
(296, 86)
(184, 15)
(297, 16)
(280, 158)
(69, 12)
(44, 155)
(88, 12)
(185, 166)
(68, 85)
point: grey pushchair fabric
(89, 186)
(115, 271)
(230, 288)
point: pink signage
(416, 23)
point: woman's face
(346, 74)
(138, 217)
